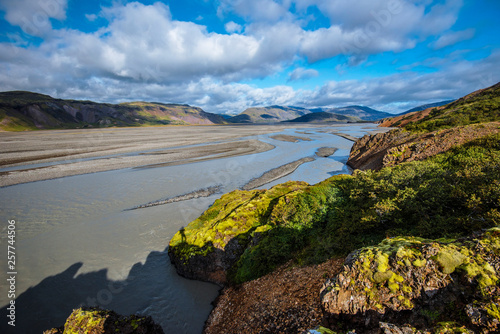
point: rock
(418, 281)
(98, 321)
(397, 146)
(209, 246)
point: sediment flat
(289, 138)
(326, 151)
(276, 173)
(49, 154)
(192, 195)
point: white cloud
(257, 10)
(33, 16)
(143, 53)
(453, 38)
(302, 74)
(91, 17)
(232, 27)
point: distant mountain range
(269, 114)
(364, 113)
(289, 113)
(21, 110)
(325, 117)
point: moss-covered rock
(419, 280)
(98, 321)
(210, 245)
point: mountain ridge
(22, 110)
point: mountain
(270, 114)
(365, 113)
(21, 110)
(324, 117)
(426, 106)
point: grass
(480, 107)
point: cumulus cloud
(233, 27)
(33, 16)
(144, 54)
(258, 10)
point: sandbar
(276, 173)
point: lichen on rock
(99, 321)
(209, 246)
(420, 280)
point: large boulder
(98, 321)
(208, 247)
(420, 282)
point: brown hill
(20, 111)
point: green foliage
(480, 107)
(449, 195)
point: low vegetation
(478, 107)
(449, 195)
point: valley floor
(52, 154)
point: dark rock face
(211, 267)
(420, 282)
(97, 321)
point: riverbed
(78, 241)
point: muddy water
(78, 244)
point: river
(77, 243)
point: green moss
(381, 277)
(87, 320)
(449, 258)
(419, 262)
(450, 327)
(493, 310)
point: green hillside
(479, 107)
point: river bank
(78, 242)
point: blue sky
(228, 55)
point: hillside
(270, 114)
(365, 113)
(426, 106)
(325, 117)
(21, 111)
(478, 107)
(431, 131)
(412, 226)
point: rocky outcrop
(98, 321)
(208, 247)
(419, 282)
(396, 146)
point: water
(77, 244)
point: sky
(228, 55)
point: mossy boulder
(421, 281)
(209, 246)
(98, 321)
